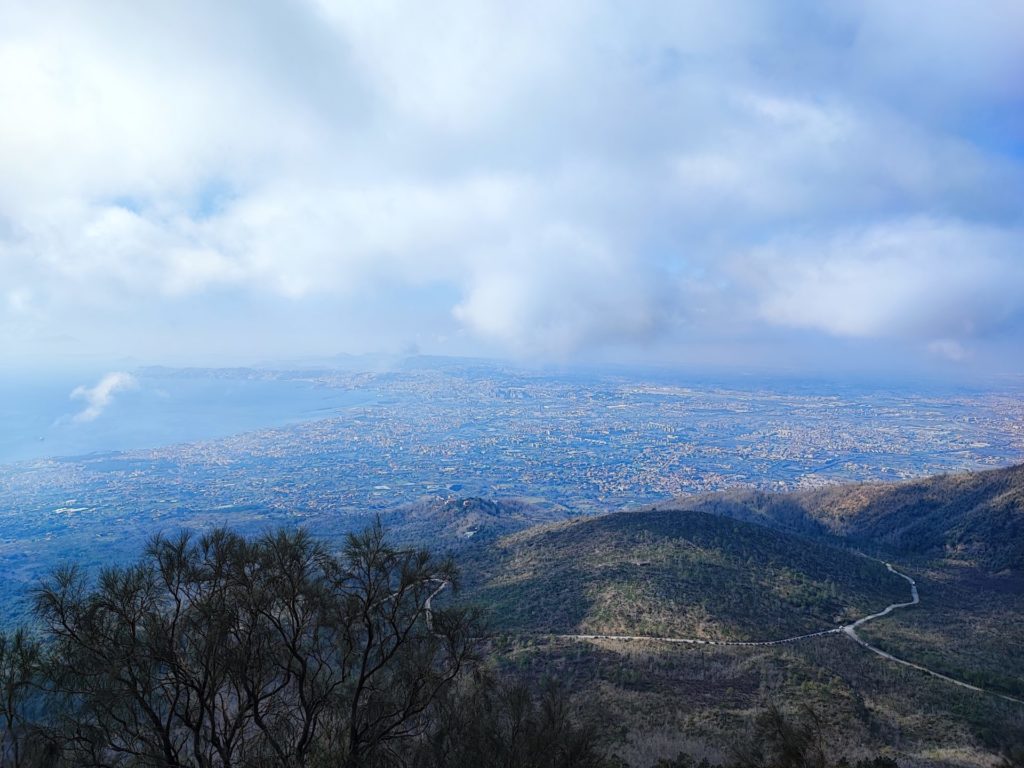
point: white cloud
(949, 349)
(562, 289)
(19, 301)
(98, 398)
(918, 278)
(534, 177)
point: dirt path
(850, 630)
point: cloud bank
(315, 176)
(98, 397)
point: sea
(39, 418)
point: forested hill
(977, 516)
(450, 522)
(668, 573)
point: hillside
(451, 522)
(666, 573)
(975, 517)
(751, 566)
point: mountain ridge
(975, 516)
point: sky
(804, 185)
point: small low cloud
(97, 398)
(949, 349)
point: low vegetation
(224, 651)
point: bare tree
(21, 743)
(221, 651)
(398, 654)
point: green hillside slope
(672, 574)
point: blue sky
(799, 185)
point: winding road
(850, 630)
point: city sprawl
(588, 444)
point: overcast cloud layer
(237, 181)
